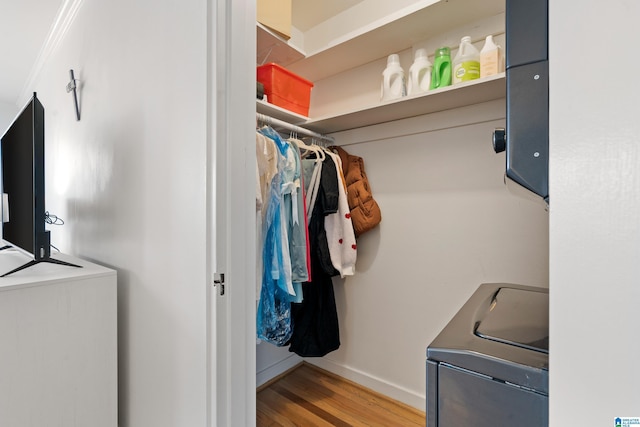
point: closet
(449, 223)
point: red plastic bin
(285, 89)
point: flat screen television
(23, 187)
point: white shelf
(273, 48)
(393, 35)
(468, 93)
(280, 113)
(460, 95)
(364, 45)
(379, 40)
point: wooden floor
(309, 396)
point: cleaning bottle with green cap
(441, 74)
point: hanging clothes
(273, 320)
(295, 144)
(365, 212)
(283, 187)
(341, 238)
(312, 169)
(316, 330)
(274, 307)
(266, 169)
(298, 226)
(294, 210)
(306, 238)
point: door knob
(499, 140)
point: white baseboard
(379, 385)
(276, 369)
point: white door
(231, 189)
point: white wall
(272, 361)
(129, 180)
(8, 112)
(448, 225)
(595, 210)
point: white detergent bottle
(393, 80)
(419, 73)
(466, 64)
(490, 58)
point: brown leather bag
(365, 212)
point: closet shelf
(426, 19)
(280, 113)
(391, 34)
(468, 93)
(273, 48)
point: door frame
(231, 193)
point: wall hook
(72, 86)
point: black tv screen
(23, 182)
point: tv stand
(59, 352)
(38, 261)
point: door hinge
(218, 281)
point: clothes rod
(280, 123)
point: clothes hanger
(306, 150)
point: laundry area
(448, 220)
(490, 364)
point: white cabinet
(58, 344)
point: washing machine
(489, 366)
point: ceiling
(25, 26)
(306, 14)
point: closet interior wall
(449, 223)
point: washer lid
(517, 317)
(500, 354)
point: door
(231, 212)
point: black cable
(52, 219)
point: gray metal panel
(432, 394)
(467, 399)
(526, 31)
(459, 346)
(528, 126)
